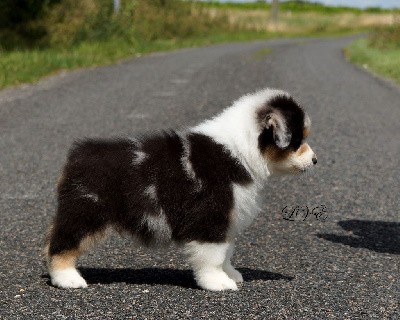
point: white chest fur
(246, 206)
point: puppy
(196, 188)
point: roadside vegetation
(295, 20)
(42, 37)
(380, 52)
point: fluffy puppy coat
(197, 188)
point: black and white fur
(196, 188)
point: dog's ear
(275, 121)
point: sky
(350, 3)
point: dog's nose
(314, 160)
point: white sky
(350, 3)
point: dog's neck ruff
(237, 129)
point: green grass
(385, 62)
(28, 66)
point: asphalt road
(343, 267)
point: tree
(14, 13)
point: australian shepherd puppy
(197, 188)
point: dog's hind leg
(207, 261)
(63, 272)
(75, 229)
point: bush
(16, 13)
(170, 19)
(18, 22)
(386, 38)
(70, 22)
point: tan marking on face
(289, 161)
(274, 154)
(306, 132)
(303, 148)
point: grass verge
(27, 66)
(382, 61)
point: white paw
(215, 280)
(67, 278)
(233, 273)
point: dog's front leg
(228, 268)
(207, 261)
